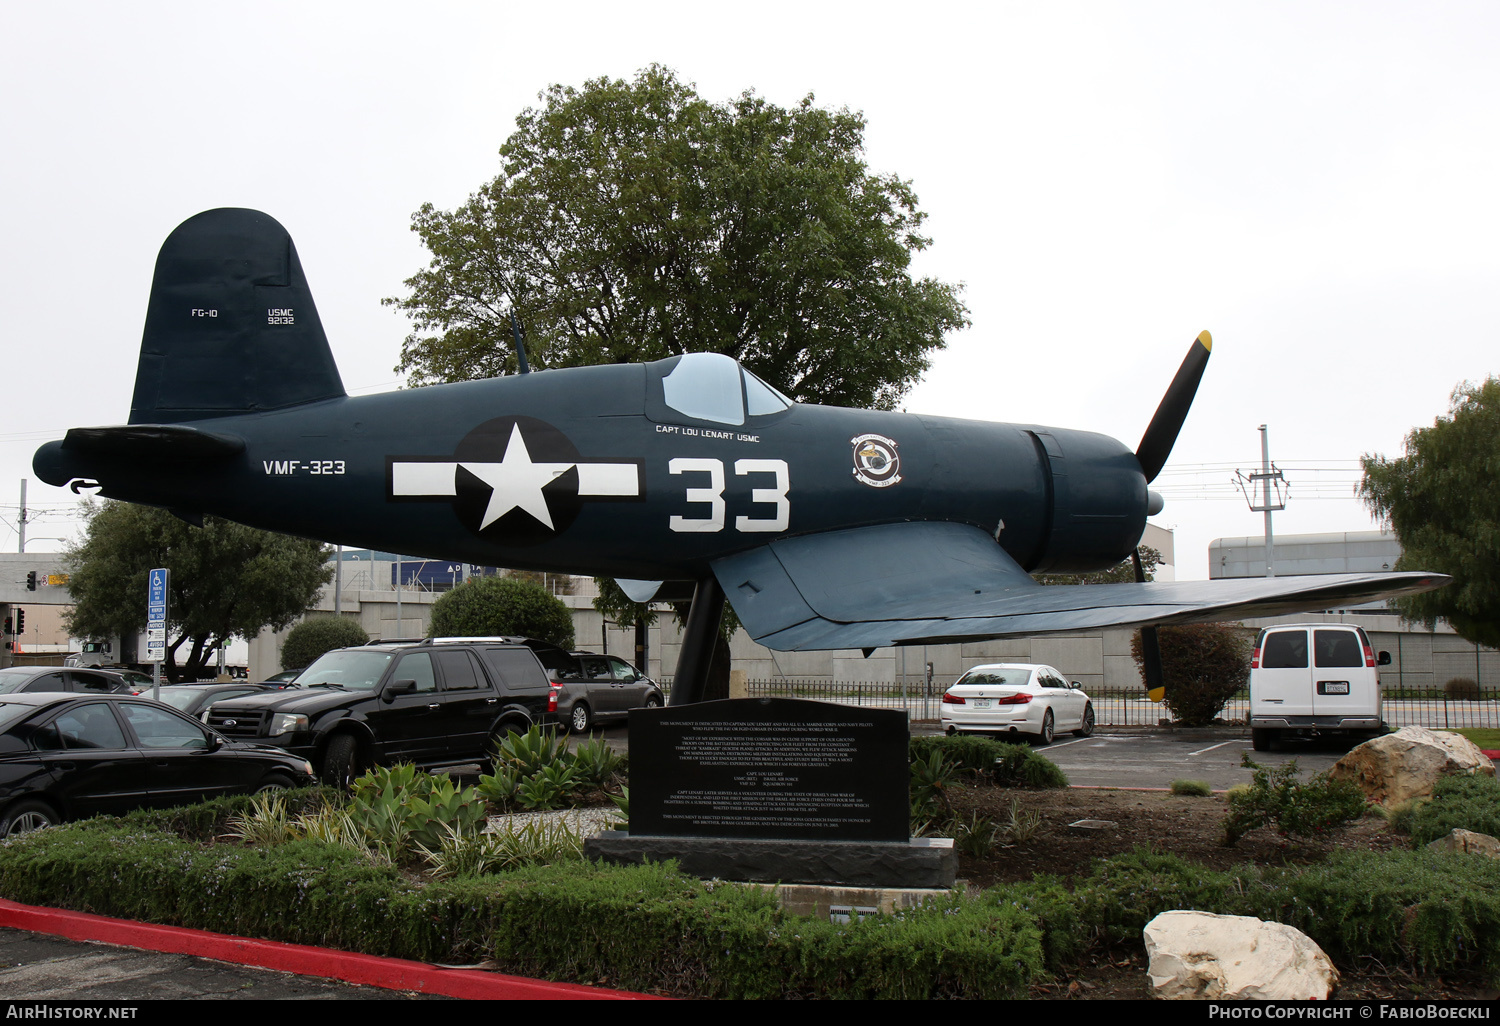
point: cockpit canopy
(713, 387)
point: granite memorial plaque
(769, 768)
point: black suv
(435, 703)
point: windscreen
(355, 671)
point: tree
(228, 580)
(634, 221)
(495, 606)
(1442, 500)
(1203, 665)
(1122, 572)
(311, 638)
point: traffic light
(31, 580)
(20, 622)
(7, 626)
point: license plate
(981, 703)
(1333, 687)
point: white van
(1314, 678)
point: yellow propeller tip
(1156, 694)
(1207, 340)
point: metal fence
(1129, 707)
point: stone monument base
(921, 862)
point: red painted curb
(302, 959)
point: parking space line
(1221, 744)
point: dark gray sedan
(70, 756)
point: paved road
(35, 967)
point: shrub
(1457, 803)
(494, 606)
(1433, 911)
(1004, 764)
(1462, 689)
(1193, 788)
(1203, 665)
(1277, 798)
(311, 638)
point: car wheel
(1086, 728)
(24, 817)
(1263, 739)
(653, 702)
(341, 761)
(274, 782)
(580, 718)
(1045, 737)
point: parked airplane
(827, 528)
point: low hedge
(652, 928)
(647, 928)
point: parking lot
(1144, 758)
(1155, 759)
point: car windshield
(356, 671)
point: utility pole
(22, 529)
(1258, 489)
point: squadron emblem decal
(513, 480)
(875, 461)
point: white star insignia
(516, 482)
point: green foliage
(931, 780)
(596, 764)
(739, 227)
(536, 771)
(1277, 798)
(1022, 826)
(1125, 892)
(1005, 765)
(399, 809)
(311, 638)
(1457, 803)
(1431, 911)
(494, 606)
(536, 843)
(1442, 500)
(1202, 666)
(1193, 788)
(228, 580)
(647, 928)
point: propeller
(1156, 446)
(1161, 433)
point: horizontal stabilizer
(930, 583)
(154, 441)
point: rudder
(231, 326)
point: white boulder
(1199, 955)
(1404, 765)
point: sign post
(156, 624)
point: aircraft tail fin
(231, 327)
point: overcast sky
(1314, 183)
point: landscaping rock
(1460, 839)
(1202, 956)
(1404, 765)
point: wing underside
(928, 583)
